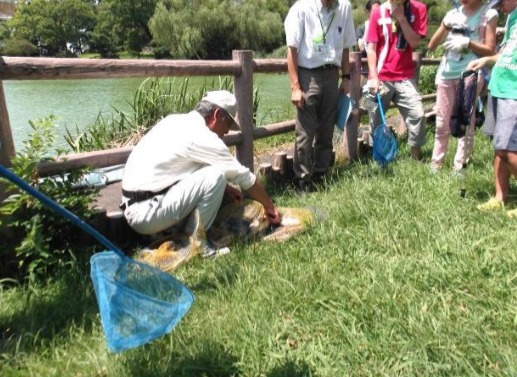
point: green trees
(54, 26)
(122, 25)
(208, 29)
(213, 28)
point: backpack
(465, 103)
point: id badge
(322, 49)
(453, 56)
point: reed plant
(154, 99)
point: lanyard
(325, 32)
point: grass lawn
(402, 278)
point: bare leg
(505, 165)
(512, 163)
(502, 179)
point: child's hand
(457, 43)
(455, 20)
(474, 65)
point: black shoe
(318, 179)
(303, 185)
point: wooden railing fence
(242, 67)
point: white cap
(226, 101)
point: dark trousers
(315, 122)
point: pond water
(78, 102)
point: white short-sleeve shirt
(320, 34)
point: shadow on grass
(223, 277)
(46, 315)
(291, 369)
(213, 361)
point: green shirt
(503, 83)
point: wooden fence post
(243, 87)
(417, 59)
(355, 95)
(6, 138)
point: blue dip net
(138, 303)
(384, 146)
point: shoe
(493, 204)
(457, 174)
(302, 185)
(318, 179)
(433, 171)
(512, 213)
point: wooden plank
(270, 65)
(289, 172)
(431, 61)
(243, 87)
(265, 170)
(96, 159)
(273, 129)
(355, 94)
(104, 158)
(279, 160)
(19, 68)
(280, 65)
(417, 60)
(426, 97)
(6, 138)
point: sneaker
(512, 213)
(493, 204)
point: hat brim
(234, 126)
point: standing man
(182, 164)
(396, 28)
(319, 34)
(361, 33)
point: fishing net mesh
(384, 145)
(137, 302)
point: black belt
(324, 66)
(139, 196)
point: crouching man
(182, 164)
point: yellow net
(234, 222)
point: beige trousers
(203, 189)
(409, 102)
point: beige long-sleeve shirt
(176, 147)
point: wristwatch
(345, 76)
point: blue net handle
(13, 178)
(380, 108)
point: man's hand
(373, 84)
(272, 215)
(457, 43)
(345, 86)
(297, 97)
(233, 194)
